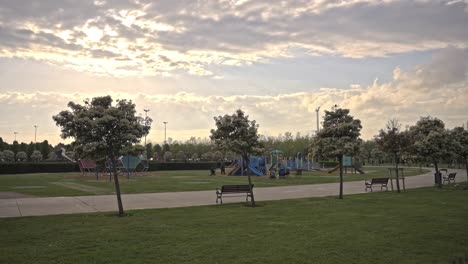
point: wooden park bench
(234, 189)
(450, 177)
(377, 181)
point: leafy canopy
(101, 129)
(236, 133)
(339, 135)
(431, 140)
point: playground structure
(62, 154)
(301, 163)
(256, 167)
(348, 164)
(278, 168)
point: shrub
(21, 156)
(36, 156)
(8, 156)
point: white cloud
(429, 89)
(146, 38)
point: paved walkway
(18, 207)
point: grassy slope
(420, 226)
(165, 181)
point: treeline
(25, 152)
(196, 149)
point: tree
(430, 141)
(460, 139)
(100, 129)
(21, 156)
(149, 150)
(207, 156)
(167, 156)
(45, 148)
(36, 155)
(2, 157)
(8, 156)
(31, 149)
(367, 147)
(238, 134)
(157, 150)
(393, 141)
(338, 137)
(180, 155)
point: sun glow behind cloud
(429, 89)
(143, 43)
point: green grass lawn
(426, 225)
(72, 184)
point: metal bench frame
(234, 189)
(377, 181)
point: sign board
(347, 161)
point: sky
(188, 61)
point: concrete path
(18, 207)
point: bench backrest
(235, 188)
(452, 175)
(379, 180)
(87, 164)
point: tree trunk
(439, 178)
(397, 160)
(117, 186)
(247, 162)
(341, 176)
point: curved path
(18, 207)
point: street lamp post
(165, 122)
(318, 126)
(15, 134)
(146, 116)
(35, 133)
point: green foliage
(149, 150)
(180, 155)
(236, 133)
(37, 167)
(339, 135)
(36, 155)
(21, 156)
(101, 129)
(8, 156)
(431, 140)
(392, 140)
(167, 156)
(459, 136)
(207, 156)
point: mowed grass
(426, 225)
(73, 184)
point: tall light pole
(165, 122)
(146, 116)
(15, 134)
(35, 133)
(318, 123)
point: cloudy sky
(190, 60)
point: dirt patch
(13, 195)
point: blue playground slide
(256, 171)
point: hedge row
(17, 168)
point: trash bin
(437, 178)
(298, 172)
